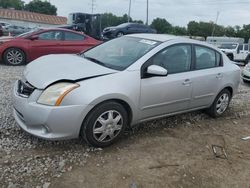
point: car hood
(109, 28)
(227, 50)
(49, 69)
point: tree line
(161, 25)
(202, 29)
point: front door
(171, 93)
(48, 42)
(242, 52)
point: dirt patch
(171, 152)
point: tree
(16, 4)
(176, 30)
(109, 19)
(43, 7)
(161, 25)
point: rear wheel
(105, 124)
(14, 57)
(247, 60)
(220, 104)
(230, 56)
(246, 81)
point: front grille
(24, 89)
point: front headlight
(54, 94)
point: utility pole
(129, 11)
(93, 4)
(147, 14)
(217, 17)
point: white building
(30, 19)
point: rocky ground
(172, 152)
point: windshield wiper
(95, 60)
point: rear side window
(51, 35)
(246, 47)
(73, 37)
(206, 58)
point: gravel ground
(26, 161)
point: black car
(1, 31)
(124, 29)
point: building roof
(32, 17)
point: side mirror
(156, 70)
(34, 37)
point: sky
(177, 12)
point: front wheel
(119, 34)
(105, 124)
(220, 103)
(14, 57)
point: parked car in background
(1, 31)
(4, 24)
(236, 52)
(233, 47)
(29, 46)
(99, 93)
(245, 75)
(15, 30)
(124, 29)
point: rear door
(74, 43)
(206, 77)
(48, 42)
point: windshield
(124, 25)
(120, 53)
(229, 46)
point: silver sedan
(97, 94)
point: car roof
(156, 37)
(166, 37)
(58, 29)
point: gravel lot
(26, 161)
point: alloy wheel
(108, 126)
(222, 103)
(14, 57)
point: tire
(119, 34)
(104, 118)
(230, 56)
(246, 81)
(14, 57)
(220, 104)
(247, 60)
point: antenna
(217, 17)
(147, 14)
(93, 6)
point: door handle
(187, 82)
(219, 75)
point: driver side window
(175, 59)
